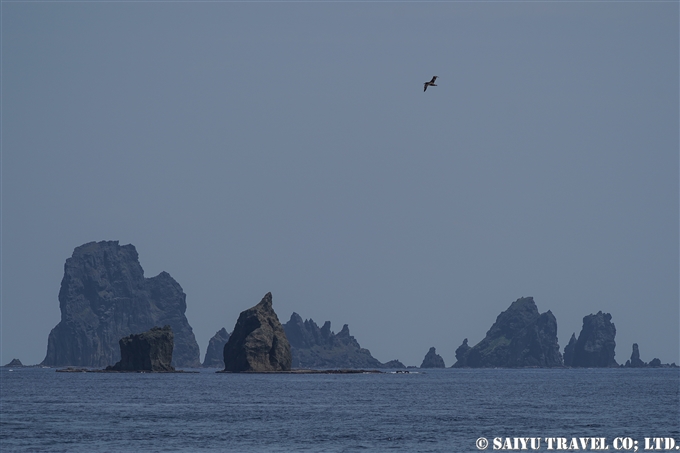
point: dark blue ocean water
(435, 411)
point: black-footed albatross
(430, 83)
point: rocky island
(595, 345)
(214, 354)
(104, 296)
(147, 351)
(258, 342)
(319, 347)
(432, 360)
(520, 337)
(635, 361)
(16, 363)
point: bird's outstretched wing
(425, 89)
(433, 79)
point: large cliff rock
(105, 297)
(258, 342)
(147, 351)
(432, 360)
(595, 345)
(520, 337)
(314, 347)
(214, 355)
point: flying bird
(430, 83)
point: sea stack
(595, 345)
(569, 351)
(258, 342)
(104, 297)
(147, 351)
(635, 361)
(214, 355)
(432, 360)
(16, 363)
(520, 337)
(319, 347)
(461, 355)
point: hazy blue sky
(289, 147)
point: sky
(289, 147)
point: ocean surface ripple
(432, 411)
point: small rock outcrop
(214, 355)
(104, 297)
(461, 355)
(655, 363)
(569, 351)
(635, 361)
(16, 363)
(432, 360)
(393, 364)
(147, 351)
(318, 347)
(258, 342)
(595, 345)
(520, 337)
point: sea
(438, 410)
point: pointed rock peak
(15, 362)
(465, 343)
(520, 337)
(432, 360)
(266, 300)
(295, 318)
(258, 341)
(344, 331)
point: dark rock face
(569, 351)
(258, 342)
(147, 351)
(314, 347)
(520, 337)
(104, 297)
(635, 361)
(461, 355)
(432, 360)
(595, 345)
(15, 363)
(655, 363)
(214, 355)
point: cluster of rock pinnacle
(111, 313)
